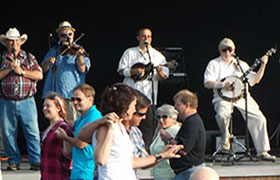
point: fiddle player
(66, 65)
(144, 53)
(224, 66)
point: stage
(240, 170)
(244, 169)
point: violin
(72, 50)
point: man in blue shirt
(65, 71)
(83, 153)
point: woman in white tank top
(113, 148)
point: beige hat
(64, 25)
(12, 34)
(225, 43)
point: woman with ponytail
(55, 152)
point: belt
(15, 98)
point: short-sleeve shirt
(18, 86)
(83, 159)
(192, 135)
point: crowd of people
(126, 131)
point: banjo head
(234, 92)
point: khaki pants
(257, 124)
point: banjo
(236, 90)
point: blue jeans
(186, 175)
(25, 112)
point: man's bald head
(205, 173)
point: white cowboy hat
(65, 25)
(12, 34)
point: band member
(19, 73)
(226, 65)
(139, 77)
(66, 65)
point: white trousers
(256, 121)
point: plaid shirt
(14, 85)
(55, 164)
(135, 136)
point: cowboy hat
(12, 34)
(65, 25)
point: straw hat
(12, 34)
(65, 25)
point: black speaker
(178, 77)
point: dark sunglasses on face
(139, 113)
(227, 49)
(73, 99)
(66, 34)
(162, 116)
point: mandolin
(142, 75)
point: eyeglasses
(66, 34)
(73, 99)
(162, 116)
(139, 113)
(227, 49)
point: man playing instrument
(65, 69)
(145, 54)
(225, 66)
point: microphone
(14, 53)
(235, 56)
(69, 42)
(146, 42)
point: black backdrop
(197, 26)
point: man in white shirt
(224, 66)
(144, 53)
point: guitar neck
(256, 63)
(269, 53)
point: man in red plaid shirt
(19, 72)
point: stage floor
(244, 168)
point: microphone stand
(54, 68)
(245, 84)
(153, 93)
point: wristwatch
(23, 72)
(158, 157)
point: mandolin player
(142, 67)
(227, 66)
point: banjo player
(226, 66)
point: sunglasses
(73, 99)
(162, 116)
(66, 34)
(139, 113)
(227, 49)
